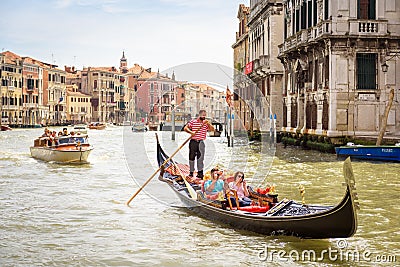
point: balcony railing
(349, 27)
(264, 61)
(10, 107)
(31, 105)
(368, 27)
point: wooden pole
(385, 117)
(192, 192)
(162, 165)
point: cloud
(63, 3)
(156, 33)
(107, 6)
(194, 3)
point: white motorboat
(80, 128)
(64, 149)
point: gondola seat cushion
(254, 208)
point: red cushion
(254, 208)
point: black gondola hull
(314, 221)
(338, 222)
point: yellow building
(11, 88)
(78, 106)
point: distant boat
(217, 129)
(6, 128)
(139, 127)
(97, 126)
(372, 152)
(65, 149)
(80, 128)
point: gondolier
(197, 147)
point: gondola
(286, 217)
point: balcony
(10, 107)
(31, 105)
(264, 62)
(368, 27)
(304, 37)
(10, 89)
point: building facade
(203, 96)
(240, 60)
(11, 89)
(79, 106)
(104, 84)
(156, 94)
(265, 34)
(54, 96)
(341, 59)
(261, 88)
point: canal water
(76, 215)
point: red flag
(228, 97)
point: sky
(159, 34)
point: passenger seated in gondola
(216, 186)
(239, 185)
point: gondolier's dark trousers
(197, 149)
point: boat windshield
(72, 139)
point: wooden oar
(162, 165)
(192, 192)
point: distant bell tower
(123, 63)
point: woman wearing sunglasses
(239, 185)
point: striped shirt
(194, 125)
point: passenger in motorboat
(65, 132)
(53, 140)
(46, 133)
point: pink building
(155, 96)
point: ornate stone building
(341, 59)
(265, 34)
(240, 59)
(257, 44)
